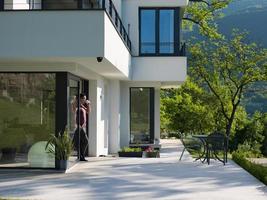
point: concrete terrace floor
(137, 178)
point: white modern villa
(120, 53)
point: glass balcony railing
(107, 5)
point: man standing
(80, 137)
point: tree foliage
(252, 137)
(184, 110)
(226, 68)
(203, 13)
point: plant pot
(8, 154)
(62, 164)
(154, 154)
(131, 154)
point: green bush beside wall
(259, 171)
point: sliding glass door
(141, 115)
(27, 119)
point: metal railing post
(110, 8)
(104, 4)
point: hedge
(257, 170)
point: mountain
(246, 15)
(245, 6)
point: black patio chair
(189, 143)
(216, 143)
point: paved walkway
(137, 178)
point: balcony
(169, 69)
(107, 5)
(70, 33)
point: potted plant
(130, 152)
(11, 140)
(61, 147)
(151, 153)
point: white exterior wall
(54, 41)
(114, 49)
(64, 37)
(125, 109)
(130, 15)
(21, 4)
(98, 119)
(46, 34)
(164, 69)
(114, 116)
(93, 118)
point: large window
(159, 31)
(148, 31)
(27, 118)
(142, 115)
(166, 31)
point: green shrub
(174, 134)
(259, 171)
(130, 149)
(249, 151)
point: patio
(137, 178)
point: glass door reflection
(73, 93)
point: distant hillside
(254, 22)
(243, 6)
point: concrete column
(97, 118)
(125, 115)
(114, 116)
(93, 118)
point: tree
(226, 68)
(203, 13)
(250, 138)
(184, 109)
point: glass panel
(60, 4)
(73, 93)
(148, 31)
(166, 33)
(140, 115)
(27, 118)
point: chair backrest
(216, 140)
(181, 137)
(190, 142)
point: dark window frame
(176, 30)
(151, 114)
(1, 5)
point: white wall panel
(159, 69)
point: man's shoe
(83, 159)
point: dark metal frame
(151, 114)
(85, 89)
(1, 5)
(177, 27)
